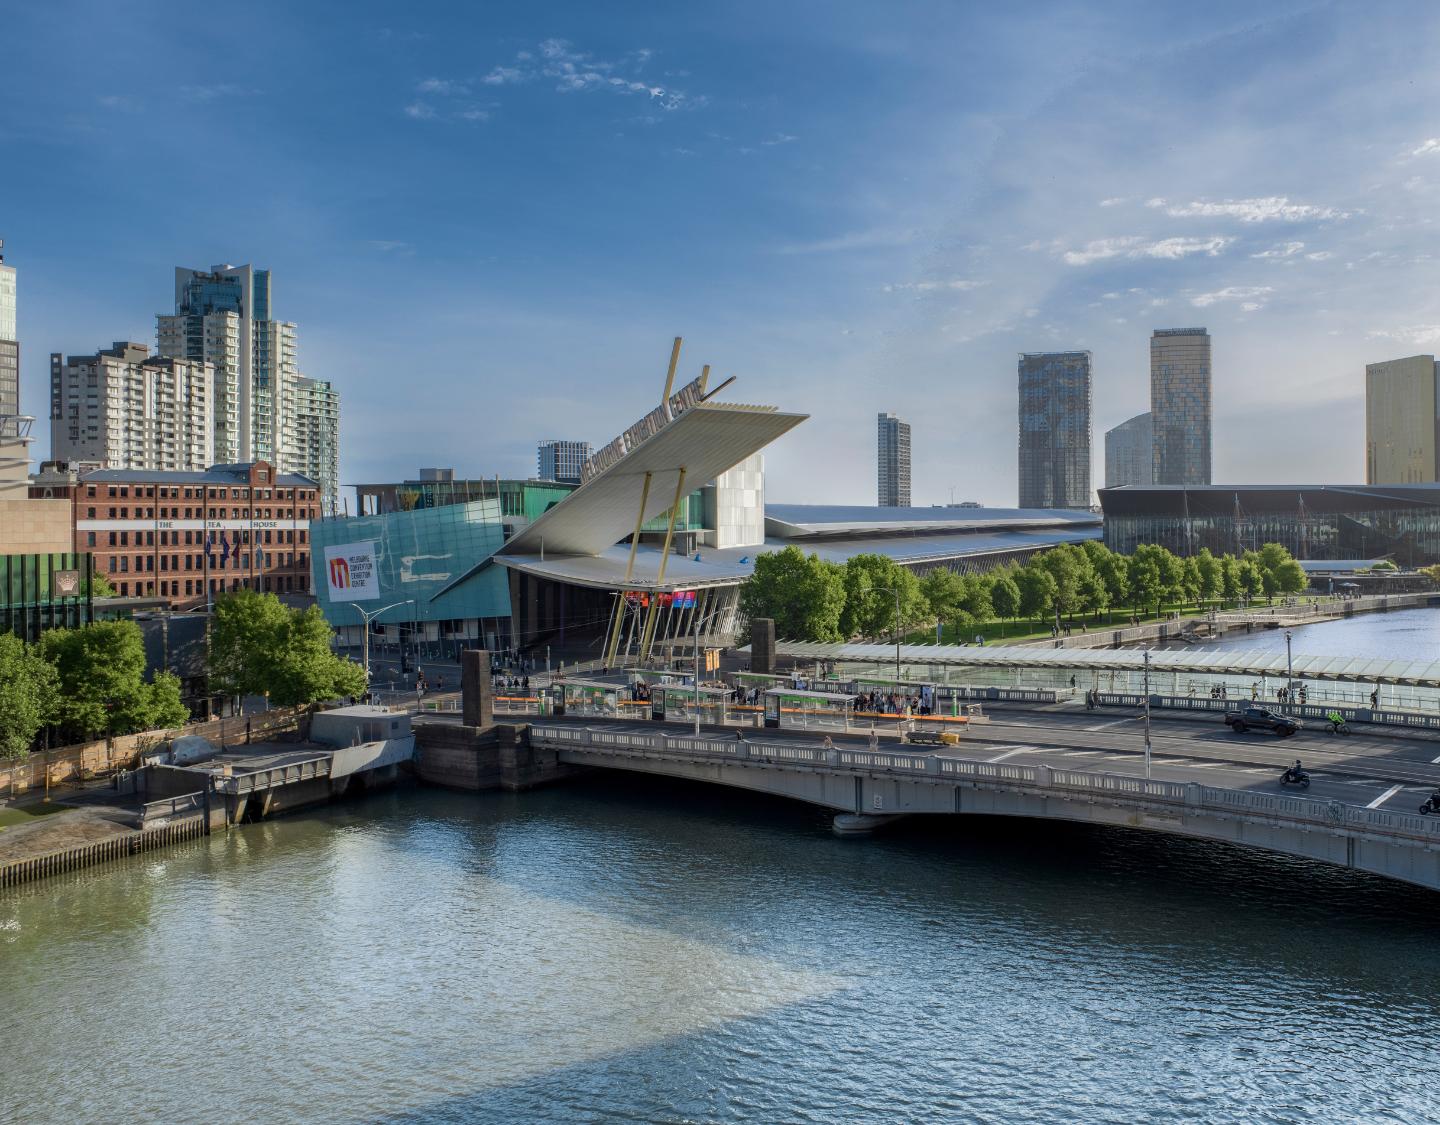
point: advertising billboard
(351, 573)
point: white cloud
(442, 86)
(1319, 256)
(1113, 201)
(880, 238)
(218, 90)
(958, 284)
(1232, 293)
(781, 139)
(1284, 250)
(419, 111)
(576, 71)
(1415, 334)
(506, 75)
(1427, 148)
(1277, 208)
(1134, 247)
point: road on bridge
(1395, 774)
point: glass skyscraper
(1055, 430)
(1130, 452)
(560, 460)
(1180, 405)
(1402, 421)
(893, 462)
(264, 408)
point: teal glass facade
(418, 553)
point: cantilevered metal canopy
(705, 441)
(1424, 673)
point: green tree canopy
(27, 695)
(1037, 590)
(1005, 594)
(260, 646)
(944, 591)
(101, 682)
(802, 593)
(870, 583)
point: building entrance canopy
(1424, 673)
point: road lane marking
(1434, 760)
(1009, 754)
(1385, 796)
(1113, 723)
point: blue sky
(489, 220)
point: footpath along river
(625, 949)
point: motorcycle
(1431, 807)
(1292, 776)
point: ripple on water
(629, 951)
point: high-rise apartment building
(892, 461)
(126, 409)
(560, 461)
(314, 435)
(1180, 405)
(1402, 419)
(1129, 453)
(225, 317)
(9, 344)
(1055, 430)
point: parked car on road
(1261, 718)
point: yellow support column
(614, 644)
(664, 559)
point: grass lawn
(23, 814)
(1025, 629)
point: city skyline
(1301, 235)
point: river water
(633, 950)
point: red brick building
(186, 537)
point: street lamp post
(1289, 669)
(365, 635)
(1147, 714)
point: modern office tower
(225, 317)
(1402, 416)
(1055, 430)
(9, 343)
(893, 462)
(1180, 405)
(314, 436)
(126, 409)
(561, 460)
(1129, 453)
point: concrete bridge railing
(1189, 799)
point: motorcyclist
(1295, 772)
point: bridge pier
(860, 824)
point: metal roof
(1245, 662)
(216, 474)
(800, 521)
(1181, 501)
(728, 566)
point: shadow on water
(740, 865)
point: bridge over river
(1360, 811)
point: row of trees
(811, 599)
(84, 683)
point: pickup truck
(1259, 718)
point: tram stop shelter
(807, 706)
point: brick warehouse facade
(187, 536)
